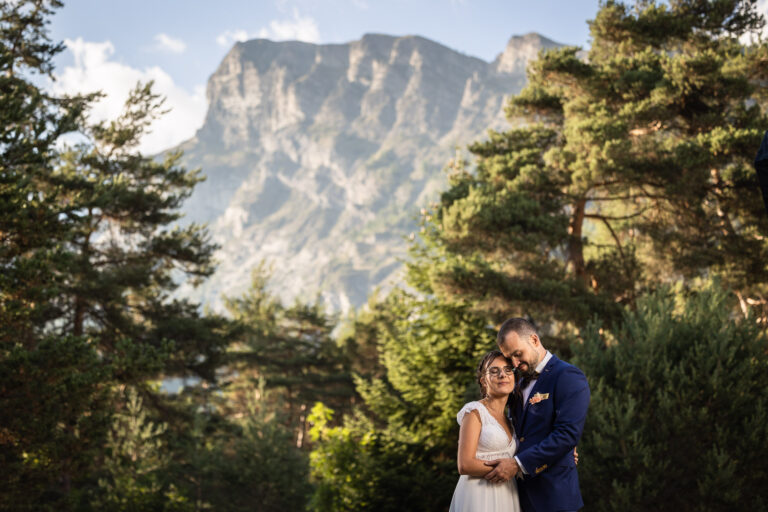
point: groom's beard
(526, 369)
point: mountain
(319, 157)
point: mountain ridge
(319, 157)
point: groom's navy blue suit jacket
(761, 166)
(547, 432)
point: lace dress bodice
(475, 493)
(494, 442)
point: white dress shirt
(539, 368)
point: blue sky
(112, 43)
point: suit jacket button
(522, 439)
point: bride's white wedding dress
(476, 494)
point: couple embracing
(517, 444)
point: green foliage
(678, 395)
(49, 385)
(125, 253)
(88, 261)
(358, 336)
(406, 427)
(238, 463)
(429, 352)
(54, 411)
(502, 238)
(357, 469)
(291, 350)
(634, 169)
(135, 462)
(30, 123)
(264, 466)
(632, 172)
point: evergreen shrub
(679, 412)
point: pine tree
(238, 457)
(292, 349)
(679, 414)
(357, 467)
(127, 255)
(31, 121)
(634, 169)
(53, 407)
(405, 426)
(89, 261)
(501, 237)
(628, 168)
(54, 413)
(135, 463)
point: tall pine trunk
(575, 244)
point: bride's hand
(575, 456)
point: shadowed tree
(629, 167)
(677, 395)
(127, 253)
(47, 383)
(89, 260)
(635, 168)
(292, 351)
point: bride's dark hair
(485, 362)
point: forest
(620, 212)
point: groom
(548, 420)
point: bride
(486, 435)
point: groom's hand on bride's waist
(503, 470)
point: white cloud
(762, 8)
(232, 36)
(749, 38)
(296, 28)
(170, 44)
(95, 70)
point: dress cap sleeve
(469, 407)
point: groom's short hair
(519, 325)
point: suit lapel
(540, 382)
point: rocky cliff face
(319, 157)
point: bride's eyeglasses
(496, 371)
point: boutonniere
(538, 397)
